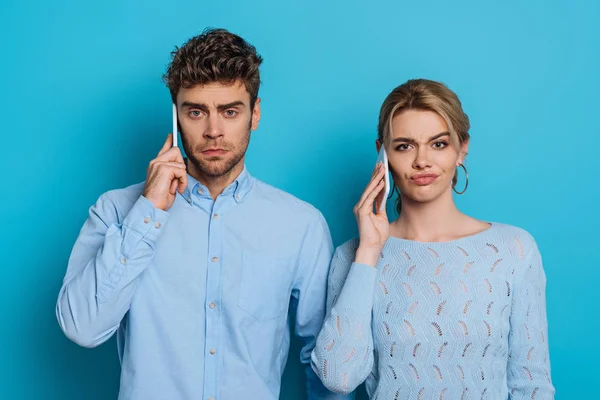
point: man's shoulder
(284, 201)
(121, 199)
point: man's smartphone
(174, 125)
(381, 199)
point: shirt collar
(239, 188)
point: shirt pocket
(266, 286)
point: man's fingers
(173, 187)
(172, 154)
(169, 164)
(159, 168)
(183, 183)
(168, 145)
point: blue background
(83, 110)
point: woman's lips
(423, 179)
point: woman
(436, 304)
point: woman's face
(422, 156)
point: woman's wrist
(367, 255)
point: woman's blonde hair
(425, 95)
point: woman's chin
(423, 194)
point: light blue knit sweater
(457, 320)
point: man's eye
(195, 113)
(230, 113)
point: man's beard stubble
(208, 168)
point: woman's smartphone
(380, 200)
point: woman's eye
(440, 145)
(402, 147)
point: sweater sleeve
(528, 362)
(343, 355)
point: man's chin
(214, 168)
(215, 173)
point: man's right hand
(166, 176)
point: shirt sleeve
(343, 356)
(528, 361)
(106, 261)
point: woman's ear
(378, 145)
(464, 150)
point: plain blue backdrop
(83, 111)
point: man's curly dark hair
(216, 55)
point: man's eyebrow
(204, 107)
(237, 103)
(200, 106)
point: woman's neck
(435, 221)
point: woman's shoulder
(507, 231)
(513, 238)
(347, 250)
(343, 258)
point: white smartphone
(174, 125)
(381, 198)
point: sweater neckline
(485, 232)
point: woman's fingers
(367, 206)
(375, 180)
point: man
(195, 269)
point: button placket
(213, 313)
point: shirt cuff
(359, 289)
(146, 220)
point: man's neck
(216, 185)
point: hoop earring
(466, 180)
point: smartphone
(174, 125)
(381, 198)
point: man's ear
(255, 115)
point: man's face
(215, 122)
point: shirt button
(216, 216)
(147, 220)
(123, 261)
(157, 225)
(211, 398)
(212, 351)
(237, 196)
(212, 305)
(215, 259)
(200, 190)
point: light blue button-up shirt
(199, 295)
